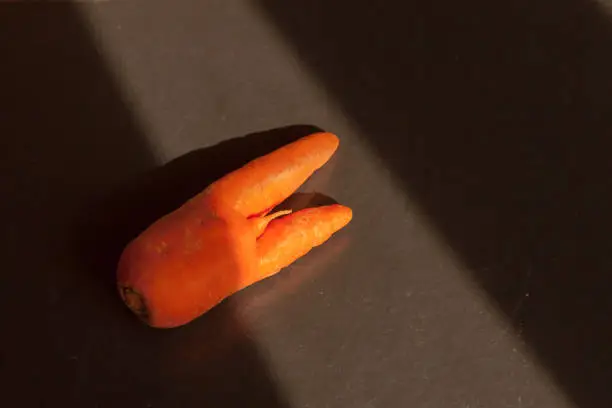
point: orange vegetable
(223, 239)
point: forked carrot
(223, 239)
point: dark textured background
(475, 143)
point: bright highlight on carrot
(224, 239)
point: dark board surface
(474, 151)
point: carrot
(223, 239)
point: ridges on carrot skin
(213, 246)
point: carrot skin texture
(260, 223)
(222, 240)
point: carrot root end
(135, 301)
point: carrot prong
(288, 238)
(268, 180)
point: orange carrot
(222, 240)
